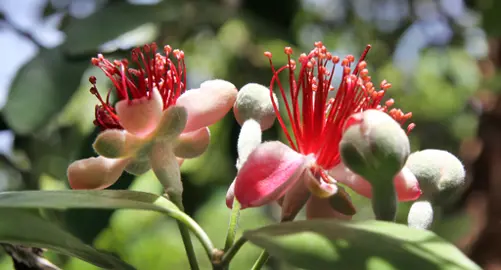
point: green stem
(263, 258)
(185, 235)
(187, 222)
(232, 228)
(188, 245)
(232, 251)
(384, 202)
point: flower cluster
(318, 115)
(154, 120)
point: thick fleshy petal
(407, 186)
(321, 208)
(192, 144)
(208, 104)
(140, 116)
(95, 172)
(405, 182)
(271, 169)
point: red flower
(318, 114)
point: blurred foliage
(427, 49)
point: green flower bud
(374, 146)
(440, 174)
(254, 102)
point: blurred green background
(430, 50)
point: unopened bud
(374, 146)
(440, 174)
(254, 102)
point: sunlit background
(441, 56)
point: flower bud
(374, 145)
(253, 102)
(440, 174)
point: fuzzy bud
(374, 145)
(253, 102)
(440, 174)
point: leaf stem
(232, 228)
(263, 258)
(188, 245)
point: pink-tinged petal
(192, 144)
(208, 104)
(406, 184)
(230, 195)
(140, 116)
(295, 198)
(95, 172)
(270, 171)
(343, 175)
(321, 208)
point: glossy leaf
(87, 34)
(41, 89)
(20, 227)
(332, 244)
(103, 199)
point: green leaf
(332, 244)
(97, 199)
(41, 89)
(20, 227)
(87, 34)
(103, 199)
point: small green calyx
(115, 143)
(376, 148)
(440, 174)
(341, 202)
(172, 123)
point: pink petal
(343, 175)
(321, 208)
(405, 182)
(407, 186)
(192, 144)
(140, 116)
(208, 104)
(230, 195)
(271, 169)
(95, 172)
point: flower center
(316, 118)
(151, 71)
